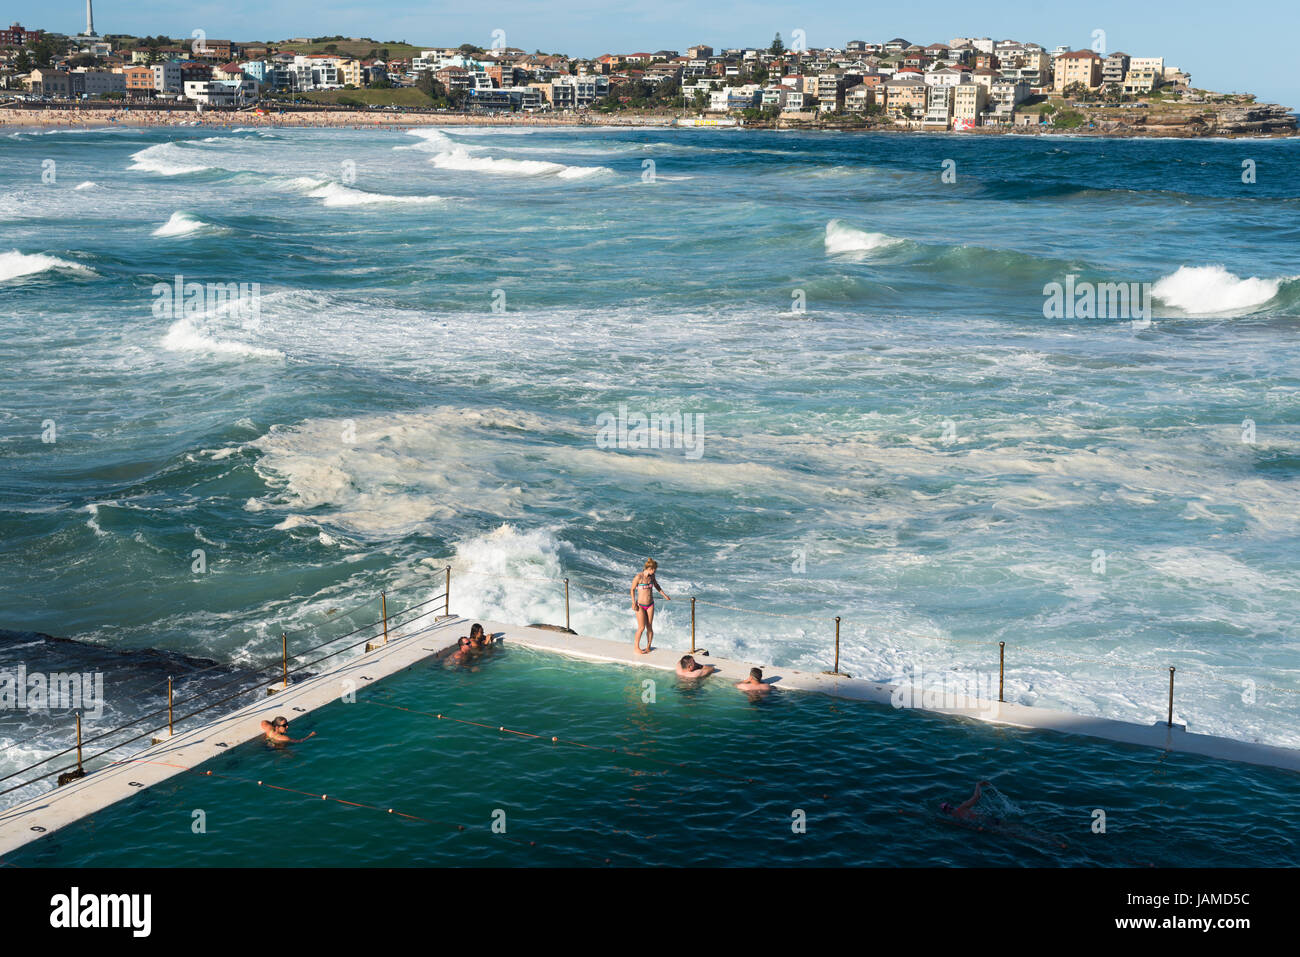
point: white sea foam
(434, 141)
(15, 264)
(1213, 291)
(845, 240)
(371, 476)
(191, 334)
(181, 224)
(87, 184)
(336, 194)
(460, 160)
(166, 159)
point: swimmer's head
(756, 674)
(475, 630)
(280, 724)
(945, 807)
(463, 642)
(651, 564)
(686, 661)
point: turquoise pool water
(698, 776)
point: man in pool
(966, 810)
(277, 732)
(754, 682)
(688, 667)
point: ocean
(253, 377)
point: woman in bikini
(644, 586)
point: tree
(428, 85)
(1075, 91)
(777, 47)
(42, 52)
(23, 62)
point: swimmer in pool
(966, 810)
(644, 586)
(688, 667)
(755, 682)
(478, 637)
(277, 731)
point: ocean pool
(674, 775)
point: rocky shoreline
(1245, 121)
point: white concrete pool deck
(106, 786)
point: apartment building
(1156, 63)
(1141, 80)
(167, 77)
(830, 87)
(16, 36)
(938, 106)
(1081, 66)
(139, 81)
(905, 95)
(969, 101)
(578, 92)
(858, 98)
(89, 82)
(1115, 68)
(1005, 96)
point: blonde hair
(651, 564)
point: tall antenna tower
(90, 20)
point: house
(896, 45)
(986, 77)
(1081, 66)
(947, 77)
(212, 49)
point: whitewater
(891, 430)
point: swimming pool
(649, 771)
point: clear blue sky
(1223, 46)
